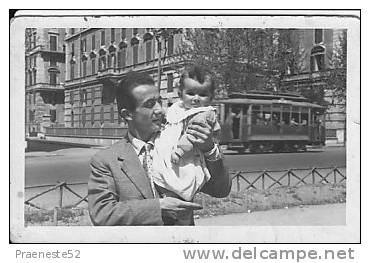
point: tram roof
(269, 102)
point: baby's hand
(175, 158)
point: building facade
(44, 78)
(98, 58)
(318, 47)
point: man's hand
(200, 134)
(171, 206)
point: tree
(337, 78)
(243, 59)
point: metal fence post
(289, 171)
(61, 196)
(335, 175)
(263, 179)
(313, 175)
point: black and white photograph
(267, 149)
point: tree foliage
(243, 58)
(337, 79)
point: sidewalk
(310, 215)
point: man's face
(195, 94)
(148, 115)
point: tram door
(233, 121)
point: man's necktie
(148, 165)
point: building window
(102, 38)
(72, 118)
(102, 115)
(93, 71)
(83, 96)
(84, 63)
(53, 63)
(134, 32)
(92, 115)
(92, 95)
(83, 117)
(169, 82)
(34, 40)
(72, 49)
(53, 115)
(93, 42)
(71, 97)
(34, 61)
(135, 54)
(31, 115)
(53, 78)
(319, 36)
(83, 45)
(123, 33)
(102, 63)
(148, 51)
(112, 60)
(72, 31)
(72, 73)
(30, 78)
(112, 35)
(34, 98)
(34, 76)
(53, 43)
(170, 45)
(112, 114)
(121, 59)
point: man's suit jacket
(119, 191)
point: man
(121, 191)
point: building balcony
(45, 87)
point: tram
(270, 122)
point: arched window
(112, 56)
(102, 59)
(121, 54)
(148, 50)
(84, 65)
(135, 49)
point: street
(311, 215)
(72, 165)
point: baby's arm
(184, 145)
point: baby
(180, 167)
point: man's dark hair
(198, 73)
(125, 99)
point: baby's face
(195, 94)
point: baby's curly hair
(198, 73)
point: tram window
(256, 114)
(286, 115)
(304, 118)
(266, 114)
(286, 119)
(295, 118)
